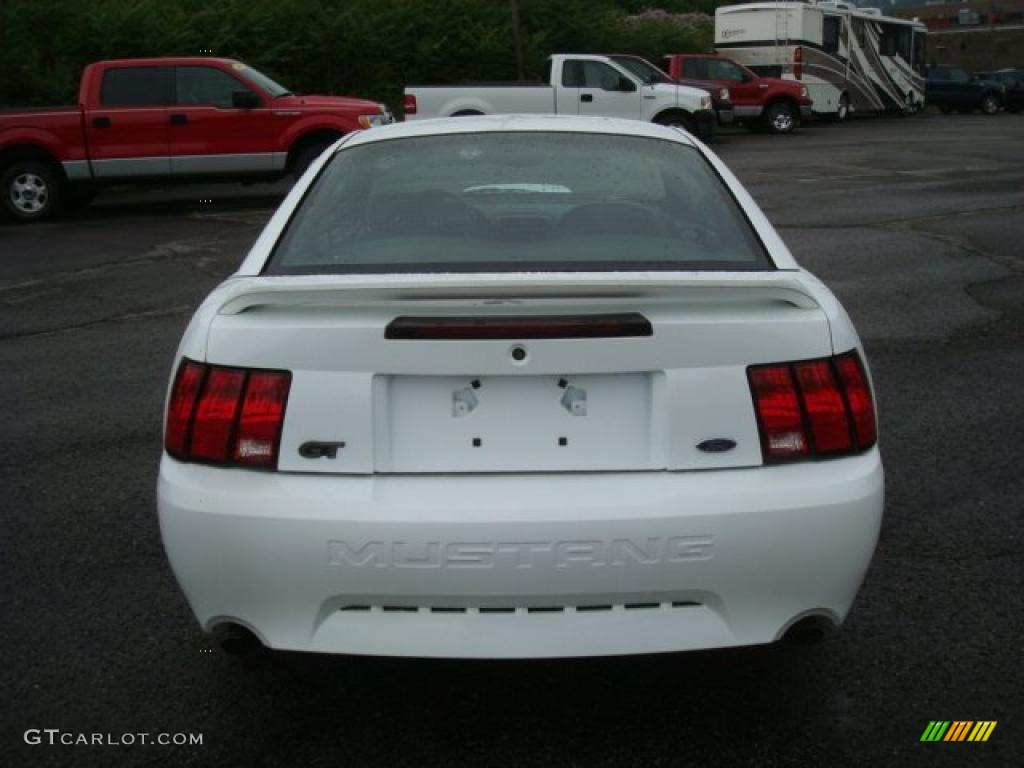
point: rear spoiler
(353, 290)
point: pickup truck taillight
(813, 408)
(409, 104)
(798, 63)
(224, 415)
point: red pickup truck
(168, 118)
(776, 104)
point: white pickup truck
(577, 84)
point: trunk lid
(641, 402)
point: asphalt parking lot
(916, 224)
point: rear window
(483, 202)
(133, 87)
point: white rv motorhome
(851, 59)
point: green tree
(369, 48)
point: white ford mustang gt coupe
(519, 387)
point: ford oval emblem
(717, 445)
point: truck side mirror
(625, 84)
(244, 100)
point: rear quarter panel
(58, 133)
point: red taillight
(179, 409)
(409, 104)
(823, 403)
(259, 425)
(215, 414)
(778, 412)
(858, 397)
(820, 408)
(798, 62)
(226, 415)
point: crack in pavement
(171, 250)
(958, 242)
(252, 217)
(179, 309)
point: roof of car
(518, 123)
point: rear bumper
(451, 566)
(704, 122)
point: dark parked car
(1013, 81)
(953, 88)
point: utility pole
(517, 39)
(992, 34)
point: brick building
(976, 34)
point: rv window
(920, 47)
(895, 41)
(830, 34)
(887, 41)
(906, 35)
(858, 29)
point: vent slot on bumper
(518, 609)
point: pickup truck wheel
(780, 117)
(989, 104)
(32, 190)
